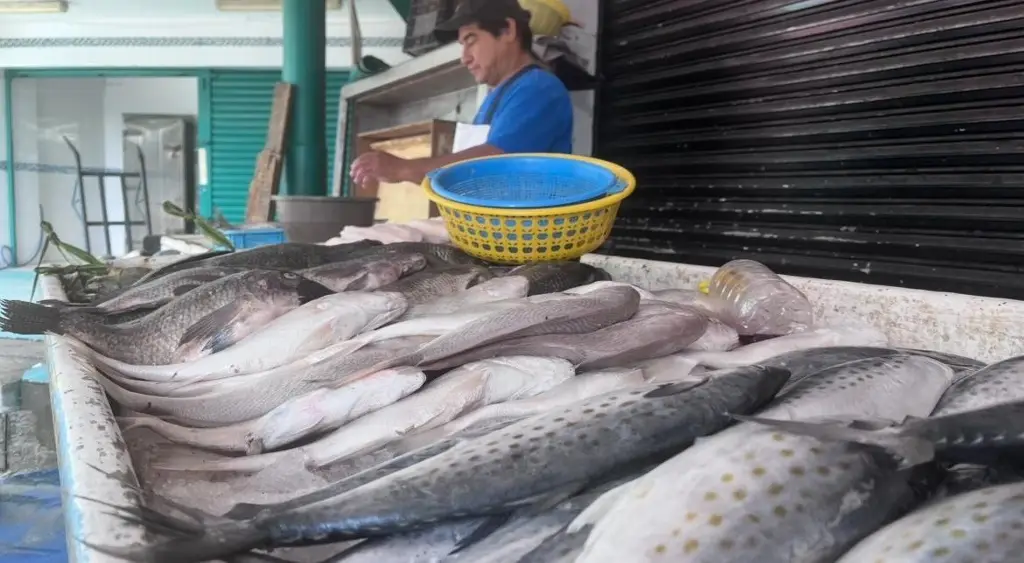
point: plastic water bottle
(758, 301)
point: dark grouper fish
(545, 457)
(206, 319)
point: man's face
(482, 52)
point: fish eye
(290, 275)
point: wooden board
(266, 179)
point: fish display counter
(102, 485)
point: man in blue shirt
(527, 110)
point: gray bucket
(317, 218)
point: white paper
(468, 136)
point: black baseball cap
(476, 11)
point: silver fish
(539, 456)
(656, 329)
(202, 321)
(365, 274)
(754, 494)
(154, 294)
(983, 525)
(261, 393)
(496, 289)
(320, 410)
(427, 285)
(454, 393)
(429, 545)
(299, 332)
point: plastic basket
(517, 236)
(251, 238)
(525, 181)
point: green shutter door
(240, 103)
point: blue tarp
(31, 518)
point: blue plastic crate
(251, 238)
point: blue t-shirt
(533, 115)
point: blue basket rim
(615, 183)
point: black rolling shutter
(871, 141)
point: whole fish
(990, 435)
(496, 289)
(320, 410)
(816, 338)
(152, 295)
(545, 455)
(264, 391)
(427, 285)
(753, 494)
(204, 320)
(657, 329)
(462, 390)
(556, 276)
(438, 255)
(365, 274)
(284, 256)
(997, 383)
(983, 526)
(601, 284)
(583, 386)
(313, 326)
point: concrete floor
(26, 426)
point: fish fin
(487, 527)
(217, 329)
(209, 543)
(24, 317)
(909, 449)
(601, 506)
(538, 504)
(309, 290)
(676, 387)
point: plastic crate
(251, 238)
(424, 15)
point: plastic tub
(318, 218)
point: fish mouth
(309, 290)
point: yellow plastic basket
(517, 236)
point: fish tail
(24, 317)
(910, 449)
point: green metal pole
(305, 42)
(12, 203)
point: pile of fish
(466, 412)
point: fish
(459, 391)
(492, 290)
(328, 320)
(283, 256)
(718, 337)
(557, 276)
(853, 335)
(152, 295)
(656, 329)
(365, 274)
(427, 545)
(601, 284)
(983, 525)
(754, 494)
(989, 435)
(547, 456)
(427, 285)
(205, 320)
(259, 393)
(322, 409)
(438, 255)
(583, 386)
(996, 383)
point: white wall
(182, 33)
(90, 112)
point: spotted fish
(751, 493)
(986, 525)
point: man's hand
(380, 167)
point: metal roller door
(872, 141)
(239, 108)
